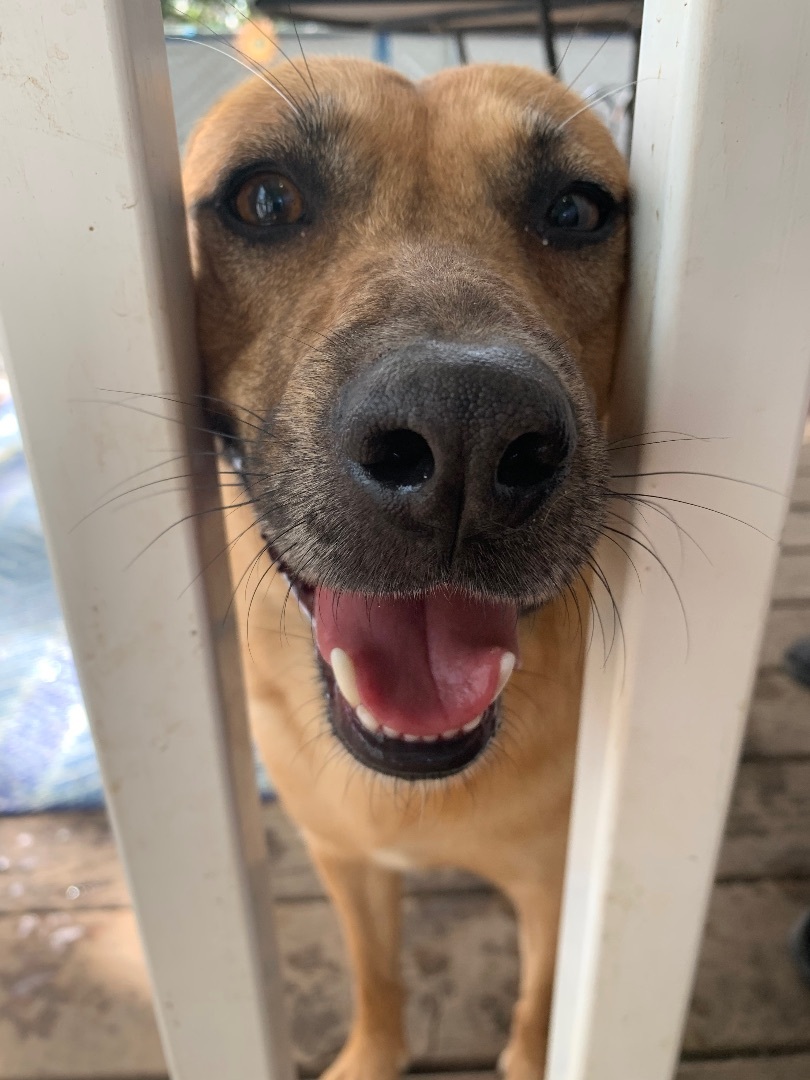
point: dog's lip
(397, 754)
(421, 759)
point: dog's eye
(574, 211)
(266, 199)
(579, 215)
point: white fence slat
(95, 292)
(718, 345)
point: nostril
(398, 459)
(531, 460)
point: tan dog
(409, 300)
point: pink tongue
(423, 666)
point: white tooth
(410, 738)
(343, 670)
(508, 661)
(428, 738)
(473, 724)
(366, 719)
(391, 733)
(451, 734)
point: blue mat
(47, 759)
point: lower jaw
(406, 760)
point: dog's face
(409, 297)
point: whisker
(246, 63)
(689, 472)
(133, 394)
(561, 61)
(597, 613)
(662, 564)
(617, 619)
(625, 552)
(698, 506)
(175, 399)
(303, 54)
(681, 531)
(592, 102)
(257, 68)
(663, 431)
(653, 442)
(579, 75)
(154, 415)
(186, 517)
(223, 551)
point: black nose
(456, 439)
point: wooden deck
(75, 1004)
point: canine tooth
(343, 670)
(473, 724)
(391, 733)
(366, 719)
(508, 661)
(451, 734)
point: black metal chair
(456, 18)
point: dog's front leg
(538, 911)
(368, 900)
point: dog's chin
(412, 685)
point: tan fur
(506, 816)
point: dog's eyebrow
(547, 143)
(303, 140)
(539, 130)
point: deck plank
(779, 721)
(76, 999)
(797, 531)
(792, 580)
(801, 492)
(784, 624)
(748, 997)
(769, 822)
(68, 862)
(787, 1067)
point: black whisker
(670, 517)
(303, 54)
(625, 552)
(617, 619)
(662, 564)
(690, 472)
(645, 495)
(247, 62)
(175, 399)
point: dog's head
(409, 295)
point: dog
(409, 300)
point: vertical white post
(95, 292)
(718, 345)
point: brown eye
(267, 199)
(581, 214)
(575, 211)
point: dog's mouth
(413, 684)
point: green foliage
(219, 15)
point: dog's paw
(360, 1060)
(518, 1063)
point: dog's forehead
(488, 112)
